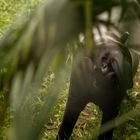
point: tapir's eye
(104, 58)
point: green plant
(36, 45)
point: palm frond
(30, 49)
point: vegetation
(11, 10)
(35, 64)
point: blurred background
(38, 43)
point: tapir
(103, 78)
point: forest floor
(88, 123)
(89, 120)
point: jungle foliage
(35, 63)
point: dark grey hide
(103, 79)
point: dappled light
(54, 48)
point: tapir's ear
(124, 38)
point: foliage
(11, 9)
(36, 46)
(130, 129)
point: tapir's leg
(74, 106)
(109, 114)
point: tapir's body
(99, 79)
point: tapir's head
(116, 62)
